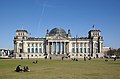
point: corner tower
(19, 41)
(96, 41)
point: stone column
(64, 48)
(17, 45)
(42, 47)
(100, 47)
(48, 51)
(55, 48)
(22, 46)
(93, 48)
(52, 48)
(67, 47)
(15, 49)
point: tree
(118, 52)
(111, 52)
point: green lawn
(58, 69)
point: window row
(84, 44)
(34, 50)
(34, 44)
(84, 50)
(81, 50)
(21, 34)
(81, 44)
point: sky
(36, 16)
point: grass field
(58, 69)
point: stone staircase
(58, 56)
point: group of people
(74, 59)
(35, 62)
(115, 58)
(19, 69)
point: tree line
(113, 52)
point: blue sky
(37, 16)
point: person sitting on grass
(35, 62)
(26, 69)
(18, 69)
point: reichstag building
(58, 43)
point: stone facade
(58, 43)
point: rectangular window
(36, 44)
(20, 44)
(36, 50)
(28, 44)
(54, 47)
(84, 44)
(32, 50)
(96, 50)
(73, 50)
(96, 44)
(77, 44)
(81, 44)
(85, 50)
(40, 44)
(28, 50)
(32, 44)
(19, 34)
(81, 50)
(73, 44)
(76, 50)
(40, 50)
(62, 48)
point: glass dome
(57, 31)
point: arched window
(40, 50)
(81, 51)
(32, 50)
(28, 50)
(36, 50)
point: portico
(57, 47)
